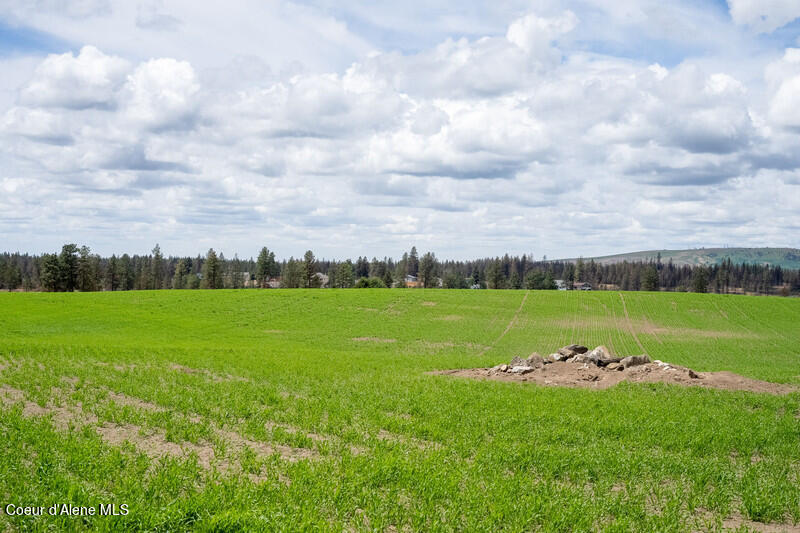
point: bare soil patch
(62, 417)
(418, 443)
(154, 444)
(649, 328)
(449, 318)
(263, 449)
(372, 339)
(123, 399)
(207, 373)
(590, 376)
(738, 522)
(428, 304)
(445, 345)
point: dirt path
(630, 325)
(509, 326)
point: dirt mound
(598, 369)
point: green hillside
(783, 257)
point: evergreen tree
(68, 267)
(310, 278)
(494, 275)
(112, 273)
(362, 267)
(700, 280)
(292, 276)
(128, 274)
(387, 278)
(428, 268)
(212, 271)
(179, 278)
(344, 275)
(650, 279)
(86, 273)
(157, 269)
(50, 273)
(265, 266)
(413, 262)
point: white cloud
(161, 94)
(764, 16)
(535, 34)
(522, 132)
(86, 80)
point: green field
(312, 410)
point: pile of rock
(574, 353)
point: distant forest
(76, 268)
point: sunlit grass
(316, 411)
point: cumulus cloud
(784, 75)
(520, 135)
(764, 16)
(161, 94)
(89, 79)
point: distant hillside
(785, 257)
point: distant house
(475, 286)
(560, 285)
(412, 282)
(582, 286)
(274, 283)
(323, 279)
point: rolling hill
(785, 257)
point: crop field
(316, 410)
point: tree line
(76, 268)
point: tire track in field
(630, 324)
(509, 326)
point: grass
(312, 410)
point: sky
(354, 127)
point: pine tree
(86, 274)
(387, 278)
(700, 280)
(179, 278)
(292, 276)
(212, 271)
(263, 267)
(413, 262)
(650, 279)
(112, 273)
(428, 267)
(156, 269)
(68, 267)
(310, 278)
(50, 272)
(344, 275)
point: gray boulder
(503, 368)
(603, 354)
(577, 348)
(535, 360)
(634, 360)
(521, 369)
(553, 357)
(518, 361)
(585, 358)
